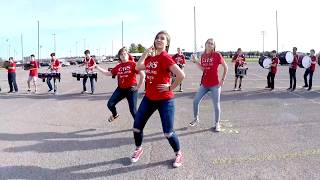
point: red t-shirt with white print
(126, 74)
(210, 63)
(157, 72)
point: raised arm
(196, 61)
(140, 64)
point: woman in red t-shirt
(209, 63)
(159, 94)
(127, 84)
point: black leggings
(292, 73)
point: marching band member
(309, 71)
(209, 63)
(159, 95)
(33, 74)
(273, 70)
(239, 60)
(54, 68)
(12, 76)
(127, 84)
(180, 60)
(293, 69)
(89, 64)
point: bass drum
(265, 62)
(285, 57)
(304, 61)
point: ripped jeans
(166, 110)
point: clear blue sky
(231, 23)
(94, 24)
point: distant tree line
(136, 48)
(250, 54)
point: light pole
(84, 44)
(195, 29)
(112, 49)
(22, 48)
(40, 52)
(263, 33)
(54, 42)
(122, 33)
(76, 48)
(8, 48)
(38, 39)
(277, 31)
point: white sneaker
(218, 127)
(235, 89)
(194, 122)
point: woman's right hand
(149, 50)
(193, 57)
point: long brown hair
(168, 39)
(214, 44)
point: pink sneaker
(178, 161)
(136, 155)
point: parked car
(44, 64)
(64, 63)
(73, 62)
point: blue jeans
(166, 110)
(119, 94)
(215, 96)
(85, 82)
(12, 82)
(306, 73)
(54, 83)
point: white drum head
(289, 57)
(306, 61)
(267, 63)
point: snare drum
(43, 76)
(265, 62)
(241, 71)
(304, 61)
(286, 57)
(85, 75)
(27, 67)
